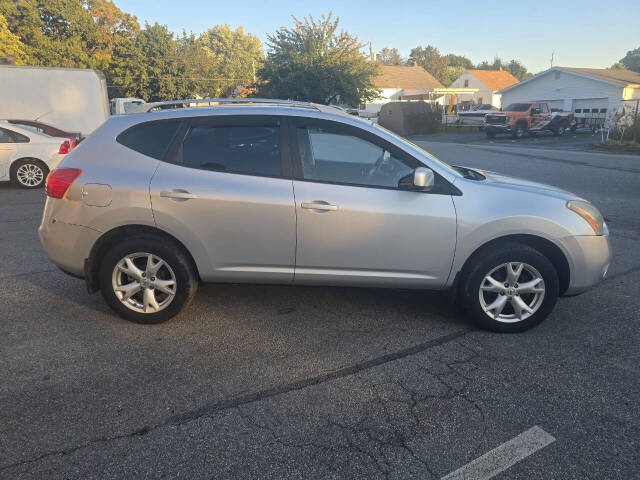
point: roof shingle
(399, 76)
(495, 79)
(620, 76)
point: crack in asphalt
(377, 435)
(239, 401)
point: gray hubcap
(512, 292)
(144, 282)
(29, 175)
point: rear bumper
(589, 257)
(67, 245)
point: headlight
(509, 118)
(589, 213)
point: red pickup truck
(518, 119)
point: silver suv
(266, 191)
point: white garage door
(590, 104)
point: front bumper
(497, 127)
(589, 258)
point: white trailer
(71, 99)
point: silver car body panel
(238, 227)
(378, 237)
(244, 228)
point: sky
(585, 33)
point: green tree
(631, 60)
(313, 61)
(233, 59)
(514, 67)
(10, 44)
(459, 61)
(446, 68)
(55, 32)
(165, 71)
(617, 66)
(430, 59)
(390, 56)
(518, 70)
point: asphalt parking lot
(273, 382)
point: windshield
(517, 107)
(414, 146)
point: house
(488, 83)
(593, 90)
(400, 82)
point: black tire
(179, 261)
(491, 134)
(484, 262)
(519, 130)
(35, 166)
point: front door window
(329, 156)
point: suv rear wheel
(147, 279)
(511, 288)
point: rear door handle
(178, 193)
(319, 205)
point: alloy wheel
(144, 282)
(29, 175)
(512, 292)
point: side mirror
(423, 178)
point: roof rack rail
(213, 102)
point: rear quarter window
(150, 138)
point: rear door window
(244, 149)
(8, 136)
(150, 138)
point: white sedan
(27, 157)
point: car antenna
(40, 116)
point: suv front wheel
(510, 288)
(147, 279)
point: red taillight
(65, 147)
(74, 143)
(59, 181)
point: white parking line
(500, 458)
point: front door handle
(178, 193)
(319, 205)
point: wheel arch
(549, 249)
(107, 239)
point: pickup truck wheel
(147, 279)
(519, 131)
(510, 288)
(491, 134)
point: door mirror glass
(422, 179)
